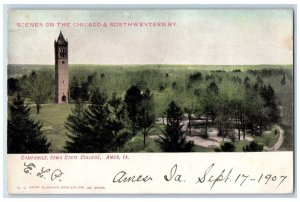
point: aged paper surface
(150, 101)
(160, 173)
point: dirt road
(277, 145)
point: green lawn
(136, 145)
(240, 144)
(53, 118)
(197, 148)
(268, 138)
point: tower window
(63, 62)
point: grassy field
(53, 118)
(268, 139)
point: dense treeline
(123, 104)
(255, 112)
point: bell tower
(61, 70)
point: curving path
(278, 144)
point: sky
(208, 36)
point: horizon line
(160, 64)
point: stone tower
(61, 70)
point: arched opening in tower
(64, 98)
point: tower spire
(61, 39)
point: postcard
(196, 101)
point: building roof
(61, 39)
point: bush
(195, 77)
(161, 87)
(253, 147)
(226, 147)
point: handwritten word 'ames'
(121, 177)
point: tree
(268, 94)
(38, 87)
(283, 80)
(270, 101)
(74, 123)
(133, 99)
(255, 113)
(75, 90)
(223, 115)
(173, 138)
(189, 110)
(118, 107)
(212, 88)
(209, 103)
(84, 89)
(247, 82)
(23, 134)
(195, 77)
(226, 147)
(262, 120)
(174, 85)
(92, 130)
(13, 86)
(190, 107)
(119, 120)
(208, 108)
(253, 147)
(146, 116)
(237, 113)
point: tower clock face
(63, 52)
